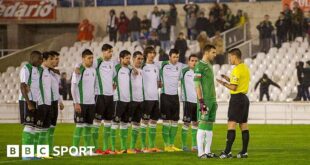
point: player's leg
(79, 127)
(209, 128)
(194, 120)
(147, 108)
(125, 120)
(261, 95)
(136, 111)
(108, 117)
(174, 108)
(51, 130)
(245, 129)
(28, 133)
(186, 124)
(116, 122)
(97, 122)
(89, 121)
(42, 123)
(154, 116)
(267, 95)
(201, 135)
(165, 113)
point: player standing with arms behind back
(205, 88)
(238, 109)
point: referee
(238, 105)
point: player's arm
(74, 87)
(197, 80)
(257, 83)
(225, 77)
(25, 89)
(275, 84)
(233, 83)
(229, 86)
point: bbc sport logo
(15, 151)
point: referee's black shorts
(238, 109)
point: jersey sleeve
(235, 76)
(24, 75)
(74, 83)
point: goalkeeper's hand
(203, 107)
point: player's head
(209, 52)
(107, 51)
(56, 58)
(124, 57)
(87, 58)
(48, 59)
(174, 56)
(35, 58)
(192, 60)
(149, 54)
(234, 56)
(138, 59)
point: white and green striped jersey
(123, 84)
(170, 76)
(30, 75)
(83, 86)
(45, 84)
(55, 86)
(150, 75)
(137, 86)
(188, 85)
(104, 71)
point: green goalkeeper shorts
(210, 117)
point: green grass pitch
(269, 144)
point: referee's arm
(229, 86)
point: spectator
(153, 40)
(297, 21)
(163, 56)
(308, 26)
(181, 46)
(189, 9)
(155, 17)
(264, 83)
(303, 76)
(172, 20)
(219, 24)
(288, 18)
(282, 29)
(240, 18)
(229, 19)
(219, 43)
(191, 29)
(63, 87)
(203, 40)
(69, 88)
(123, 27)
(225, 9)
(145, 27)
(202, 23)
(134, 27)
(164, 34)
(210, 29)
(112, 26)
(265, 29)
(216, 11)
(85, 31)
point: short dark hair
(308, 62)
(55, 53)
(136, 53)
(192, 56)
(35, 53)
(86, 52)
(236, 52)
(46, 55)
(148, 50)
(208, 47)
(124, 53)
(106, 47)
(173, 51)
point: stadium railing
(4, 52)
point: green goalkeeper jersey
(205, 76)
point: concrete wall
(98, 16)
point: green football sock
(106, 136)
(123, 135)
(43, 137)
(143, 136)
(173, 133)
(87, 135)
(27, 136)
(77, 136)
(184, 136)
(134, 136)
(36, 140)
(113, 136)
(152, 135)
(194, 136)
(95, 135)
(165, 133)
(50, 135)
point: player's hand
(77, 71)
(61, 106)
(31, 106)
(135, 71)
(114, 86)
(203, 107)
(77, 108)
(224, 76)
(220, 81)
(160, 84)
